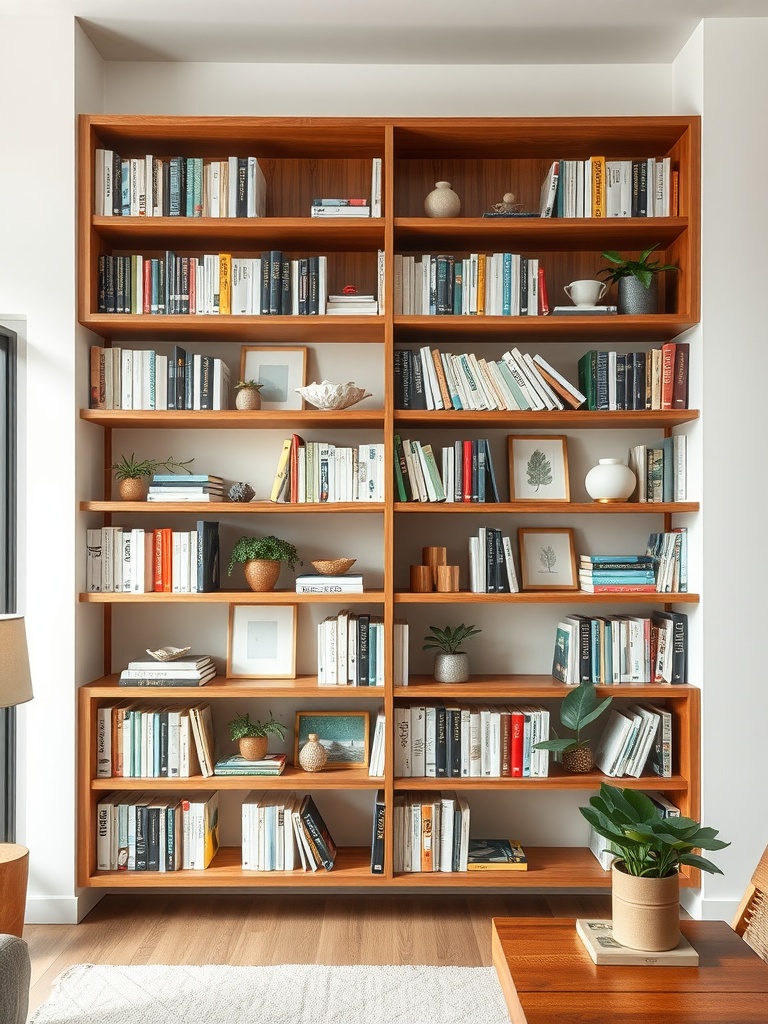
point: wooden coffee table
(547, 976)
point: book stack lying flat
(317, 583)
(617, 574)
(193, 487)
(191, 670)
(598, 939)
(352, 305)
(340, 208)
(236, 764)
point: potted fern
(253, 737)
(637, 280)
(262, 558)
(131, 474)
(577, 709)
(451, 664)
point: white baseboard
(60, 909)
(708, 910)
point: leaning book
(496, 855)
(604, 950)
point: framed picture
(538, 468)
(547, 559)
(343, 734)
(280, 370)
(262, 641)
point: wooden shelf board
(314, 329)
(292, 778)
(541, 597)
(514, 329)
(557, 779)
(581, 419)
(232, 507)
(550, 507)
(235, 597)
(495, 686)
(233, 419)
(221, 686)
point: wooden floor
(279, 929)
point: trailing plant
(646, 843)
(248, 384)
(241, 727)
(643, 268)
(130, 468)
(449, 640)
(577, 709)
(270, 549)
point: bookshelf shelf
(306, 157)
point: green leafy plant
(449, 640)
(646, 843)
(241, 726)
(643, 268)
(129, 467)
(578, 708)
(270, 549)
(248, 384)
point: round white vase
(442, 202)
(610, 480)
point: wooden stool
(14, 867)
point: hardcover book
(599, 942)
(496, 855)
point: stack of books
(317, 583)
(352, 305)
(340, 208)
(236, 764)
(192, 487)
(617, 574)
(191, 670)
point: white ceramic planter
(610, 480)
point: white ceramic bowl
(332, 396)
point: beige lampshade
(15, 680)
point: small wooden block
(421, 579)
(447, 578)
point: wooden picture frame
(261, 642)
(538, 467)
(280, 370)
(343, 734)
(547, 558)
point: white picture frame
(538, 467)
(547, 558)
(262, 641)
(280, 370)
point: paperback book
(604, 950)
(496, 855)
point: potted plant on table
(262, 558)
(451, 664)
(577, 709)
(637, 280)
(253, 737)
(247, 394)
(131, 474)
(650, 851)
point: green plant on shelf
(643, 268)
(241, 727)
(131, 468)
(269, 549)
(449, 640)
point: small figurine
(241, 492)
(508, 204)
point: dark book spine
(585, 650)
(303, 286)
(242, 187)
(490, 562)
(621, 381)
(266, 277)
(313, 299)
(170, 839)
(275, 282)
(363, 652)
(319, 833)
(117, 185)
(441, 767)
(418, 395)
(601, 381)
(679, 647)
(502, 581)
(397, 376)
(444, 288)
(208, 571)
(455, 762)
(524, 287)
(642, 199)
(377, 838)
(636, 187)
(153, 838)
(285, 293)
(680, 376)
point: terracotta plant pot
(254, 748)
(133, 488)
(645, 911)
(260, 574)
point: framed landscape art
(343, 734)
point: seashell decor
(333, 396)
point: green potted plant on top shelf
(262, 558)
(650, 851)
(247, 394)
(577, 709)
(637, 280)
(253, 737)
(451, 664)
(131, 474)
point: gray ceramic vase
(451, 668)
(637, 300)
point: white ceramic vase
(610, 480)
(442, 202)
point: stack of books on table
(617, 574)
(192, 487)
(352, 305)
(340, 208)
(191, 670)
(236, 764)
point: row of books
(637, 737)
(431, 379)
(613, 649)
(150, 186)
(470, 741)
(600, 187)
(350, 650)
(466, 472)
(490, 284)
(318, 471)
(282, 831)
(670, 558)
(661, 469)
(123, 378)
(124, 560)
(491, 563)
(431, 832)
(139, 741)
(657, 379)
(157, 831)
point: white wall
(36, 209)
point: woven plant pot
(579, 760)
(248, 398)
(133, 488)
(254, 748)
(261, 574)
(645, 911)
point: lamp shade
(15, 680)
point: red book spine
(167, 570)
(680, 385)
(466, 473)
(543, 295)
(517, 727)
(296, 443)
(193, 283)
(667, 374)
(157, 584)
(146, 270)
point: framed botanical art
(538, 467)
(279, 370)
(262, 641)
(547, 559)
(343, 734)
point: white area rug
(289, 994)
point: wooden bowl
(333, 566)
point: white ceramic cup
(585, 293)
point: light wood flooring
(277, 929)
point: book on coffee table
(597, 936)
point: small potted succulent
(247, 394)
(451, 664)
(131, 474)
(262, 558)
(253, 737)
(637, 280)
(650, 852)
(577, 709)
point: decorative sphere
(610, 480)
